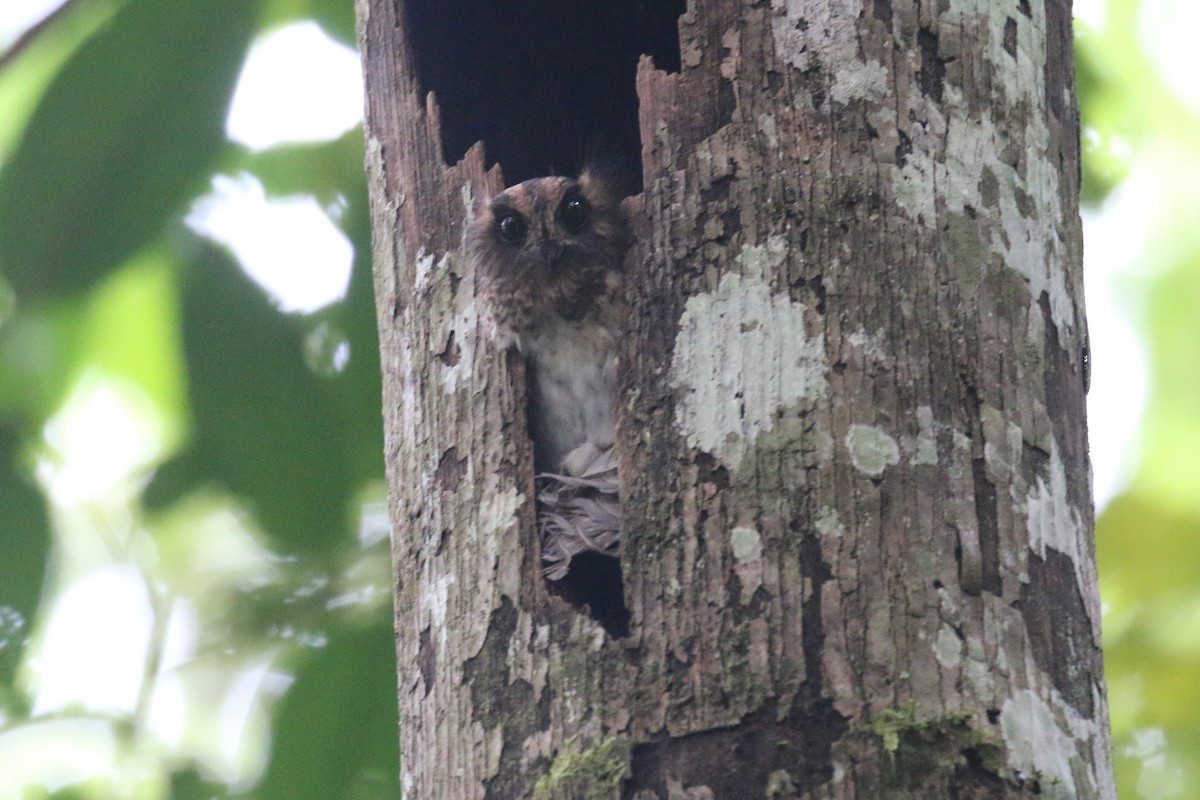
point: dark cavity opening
(547, 85)
(595, 582)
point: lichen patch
(761, 260)
(947, 647)
(1001, 164)
(829, 523)
(498, 513)
(460, 371)
(859, 80)
(827, 33)
(742, 355)
(1037, 746)
(746, 544)
(871, 344)
(922, 448)
(1054, 523)
(435, 599)
(872, 449)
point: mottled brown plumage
(547, 256)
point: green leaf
(359, 384)
(125, 134)
(336, 17)
(191, 784)
(39, 355)
(25, 75)
(326, 170)
(132, 332)
(25, 543)
(336, 732)
(289, 441)
(1107, 137)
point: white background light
(289, 246)
(1167, 29)
(297, 85)
(95, 648)
(18, 15)
(1113, 238)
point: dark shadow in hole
(547, 85)
(595, 581)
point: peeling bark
(853, 448)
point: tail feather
(579, 514)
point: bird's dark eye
(573, 213)
(510, 227)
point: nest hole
(548, 86)
(595, 583)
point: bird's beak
(550, 252)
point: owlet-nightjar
(547, 255)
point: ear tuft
(602, 183)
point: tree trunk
(858, 545)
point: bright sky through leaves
(18, 15)
(297, 85)
(289, 246)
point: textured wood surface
(853, 444)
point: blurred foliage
(1137, 127)
(250, 462)
(109, 174)
(233, 484)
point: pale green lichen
(829, 523)
(746, 543)
(1054, 523)
(595, 773)
(947, 647)
(672, 590)
(859, 80)
(919, 750)
(762, 260)
(498, 513)
(744, 342)
(971, 169)
(781, 786)
(871, 449)
(794, 443)
(1038, 743)
(924, 447)
(964, 247)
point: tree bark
(858, 547)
